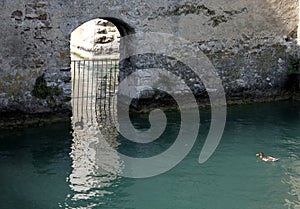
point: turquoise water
(36, 167)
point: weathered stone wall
(247, 41)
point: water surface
(37, 170)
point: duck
(266, 158)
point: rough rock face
(96, 39)
(249, 42)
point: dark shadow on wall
(124, 28)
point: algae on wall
(41, 90)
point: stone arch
(124, 28)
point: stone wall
(249, 42)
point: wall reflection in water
(94, 133)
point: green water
(35, 167)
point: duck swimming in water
(266, 158)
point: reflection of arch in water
(94, 82)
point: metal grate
(94, 83)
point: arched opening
(98, 38)
(95, 40)
(94, 47)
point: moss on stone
(294, 65)
(67, 99)
(42, 91)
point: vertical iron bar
(101, 78)
(109, 87)
(82, 91)
(87, 90)
(110, 74)
(97, 84)
(78, 84)
(97, 77)
(92, 95)
(115, 76)
(105, 87)
(73, 63)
